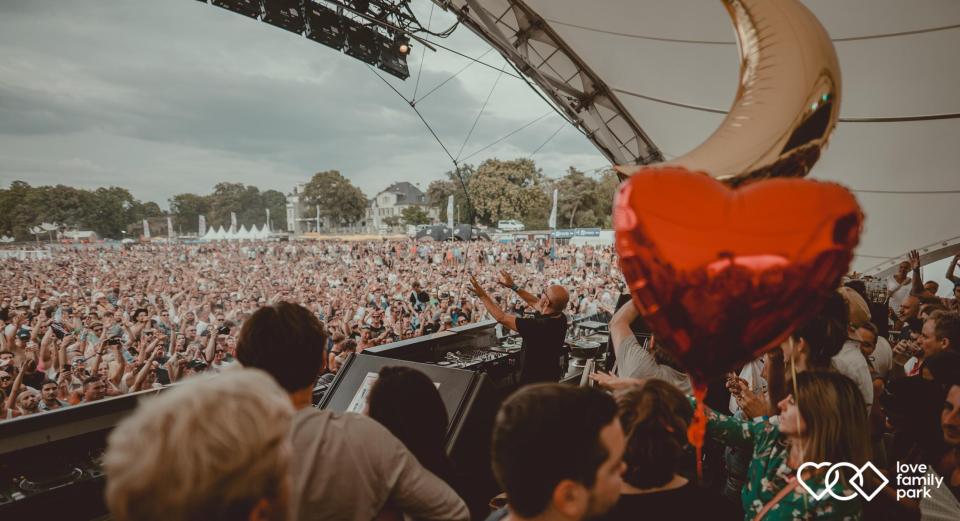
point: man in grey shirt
(635, 361)
(345, 466)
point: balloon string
(698, 426)
(796, 397)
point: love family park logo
(912, 481)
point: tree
(276, 202)
(106, 211)
(340, 201)
(606, 190)
(440, 190)
(414, 215)
(509, 190)
(187, 209)
(578, 193)
(393, 220)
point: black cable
(728, 42)
(544, 98)
(458, 53)
(482, 108)
(434, 134)
(876, 119)
(389, 84)
(506, 136)
(555, 132)
(423, 58)
(444, 82)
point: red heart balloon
(722, 275)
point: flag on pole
(450, 211)
(268, 220)
(169, 227)
(553, 211)
(146, 229)
(202, 230)
(233, 223)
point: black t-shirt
(543, 338)
(686, 502)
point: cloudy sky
(168, 96)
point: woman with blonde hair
(823, 420)
(212, 449)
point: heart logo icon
(827, 486)
(722, 275)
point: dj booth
(50, 462)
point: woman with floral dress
(825, 422)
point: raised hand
(505, 279)
(914, 258)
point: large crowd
(868, 389)
(90, 323)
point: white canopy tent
(636, 76)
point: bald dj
(543, 334)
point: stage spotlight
(249, 8)
(284, 14)
(362, 43)
(403, 46)
(362, 6)
(393, 57)
(325, 26)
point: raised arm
(620, 325)
(498, 314)
(950, 270)
(507, 281)
(917, 285)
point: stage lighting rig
(376, 32)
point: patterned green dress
(768, 474)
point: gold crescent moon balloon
(787, 103)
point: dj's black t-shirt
(543, 338)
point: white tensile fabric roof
(621, 42)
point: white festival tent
(222, 234)
(661, 74)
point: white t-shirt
(882, 357)
(897, 292)
(851, 363)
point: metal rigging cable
(482, 108)
(444, 82)
(423, 58)
(729, 42)
(873, 119)
(555, 132)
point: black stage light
(249, 8)
(362, 6)
(325, 26)
(392, 59)
(362, 43)
(284, 14)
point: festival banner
(146, 229)
(202, 230)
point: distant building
(397, 197)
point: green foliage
(414, 215)
(607, 188)
(393, 220)
(106, 211)
(577, 200)
(339, 200)
(509, 190)
(247, 201)
(439, 191)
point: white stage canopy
(612, 66)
